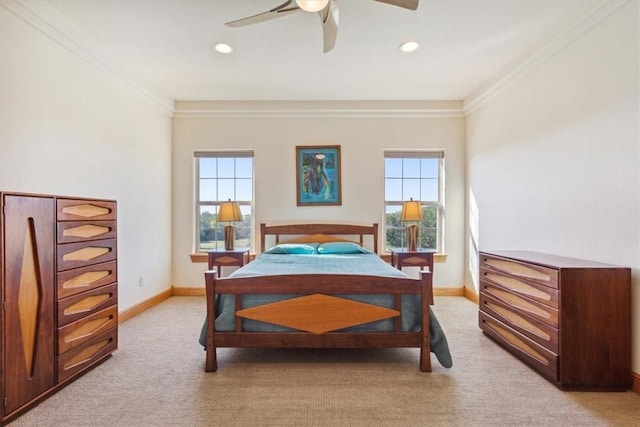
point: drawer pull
(518, 302)
(86, 231)
(86, 211)
(86, 354)
(516, 320)
(517, 269)
(87, 329)
(518, 286)
(514, 341)
(85, 279)
(86, 304)
(86, 254)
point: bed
(319, 286)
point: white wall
(273, 140)
(69, 128)
(554, 159)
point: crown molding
(525, 64)
(46, 19)
(302, 109)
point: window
(417, 175)
(221, 176)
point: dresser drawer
(79, 210)
(536, 356)
(81, 331)
(72, 282)
(74, 255)
(540, 332)
(80, 305)
(535, 273)
(81, 231)
(87, 354)
(531, 290)
(541, 312)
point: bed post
(426, 286)
(211, 364)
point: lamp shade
(411, 211)
(229, 212)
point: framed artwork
(318, 180)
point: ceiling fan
(326, 9)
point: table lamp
(411, 212)
(229, 212)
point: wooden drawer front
(82, 210)
(540, 332)
(541, 312)
(89, 353)
(80, 331)
(74, 255)
(73, 282)
(535, 273)
(532, 290)
(541, 359)
(81, 231)
(86, 303)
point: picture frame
(318, 177)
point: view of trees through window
(417, 176)
(224, 176)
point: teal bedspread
(357, 264)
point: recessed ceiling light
(223, 48)
(409, 46)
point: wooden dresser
(568, 319)
(59, 293)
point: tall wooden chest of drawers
(58, 289)
(568, 319)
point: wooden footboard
(318, 312)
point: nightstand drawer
(540, 332)
(535, 273)
(538, 357)
(79, 280)
(80, 331)
(86, 303)
(541, 312)
(87, 354)
(531, 290)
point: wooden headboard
(328, 229)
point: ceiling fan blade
(329, 17)
(407, 4)
(276, 12)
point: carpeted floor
(157, 378)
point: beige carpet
(156, 378)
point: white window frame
(439, 204)
(215, 203)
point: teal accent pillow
(293, 249)
(342, 248)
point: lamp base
(229, 237)
(412, 237)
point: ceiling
(166, 46)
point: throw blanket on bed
(358, 264)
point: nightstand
(401, 257)
(228, 258)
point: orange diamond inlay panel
(317, 313)
(29, 299)
(85, 254)
(86, 231)
(87, 211)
